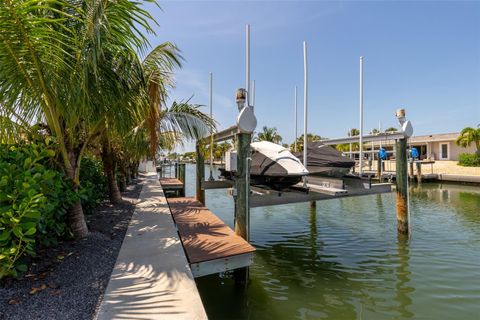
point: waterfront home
(438, 147)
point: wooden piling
(241, 205)
(200, 191)
(402, 186)
(379, 169)
(181, 177)
(242, 186)
(313, 204)
(419, 172)
(410, 170)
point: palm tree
(353, 132)
(269, 134)
(60, 62)
(347, 147)
(146, 94)
(310, 138)
(224, 147)
(468, 136)
(391, 129)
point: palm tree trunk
(77, 220)
(122, 184)
(114, 194)
(75, 213)
(128, 176)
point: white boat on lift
(274, 166)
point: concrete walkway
(151, 278)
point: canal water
(345, 261)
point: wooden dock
(171, 183)
(211, 246)
(173, 186)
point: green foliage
(93, 184)
(469, 160)
(469, 136)
(310, 138)
(33, 203)
(391, 129)
(269, 134)
(190, 154)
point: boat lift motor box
(231, 161)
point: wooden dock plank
(171, 183)
(204, 236)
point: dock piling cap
(400, 113)
(407, 129)
(406, 125)
(240, 98)
(246, 120)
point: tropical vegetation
(469, 159)
(391, 129)
(219, 150)
(269, 134)
(34, 199)
(466, 138)
(347, 147)
(310, 138)
(78, 111)
(469, 136)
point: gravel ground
(67, 281)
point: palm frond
(187, 119)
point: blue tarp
(382, 153)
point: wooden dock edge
(151, 278)
(209, 244)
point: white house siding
(433, 148)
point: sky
(423, 56)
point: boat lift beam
(226, 134)
(366, 138)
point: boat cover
(323, 159)
(270, 159)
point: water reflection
(344, 260)
(402, 288)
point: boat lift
(313, 188)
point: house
(439, 146)
(436, 147)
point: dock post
(313, 204)
(402, 186)
(242, 206)
(410, 170)
(379, 169)
(419, 172)
(200, 191)
(181, 169)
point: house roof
(435, 137)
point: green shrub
(469, 160)
(34, 199)
(93, 184)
